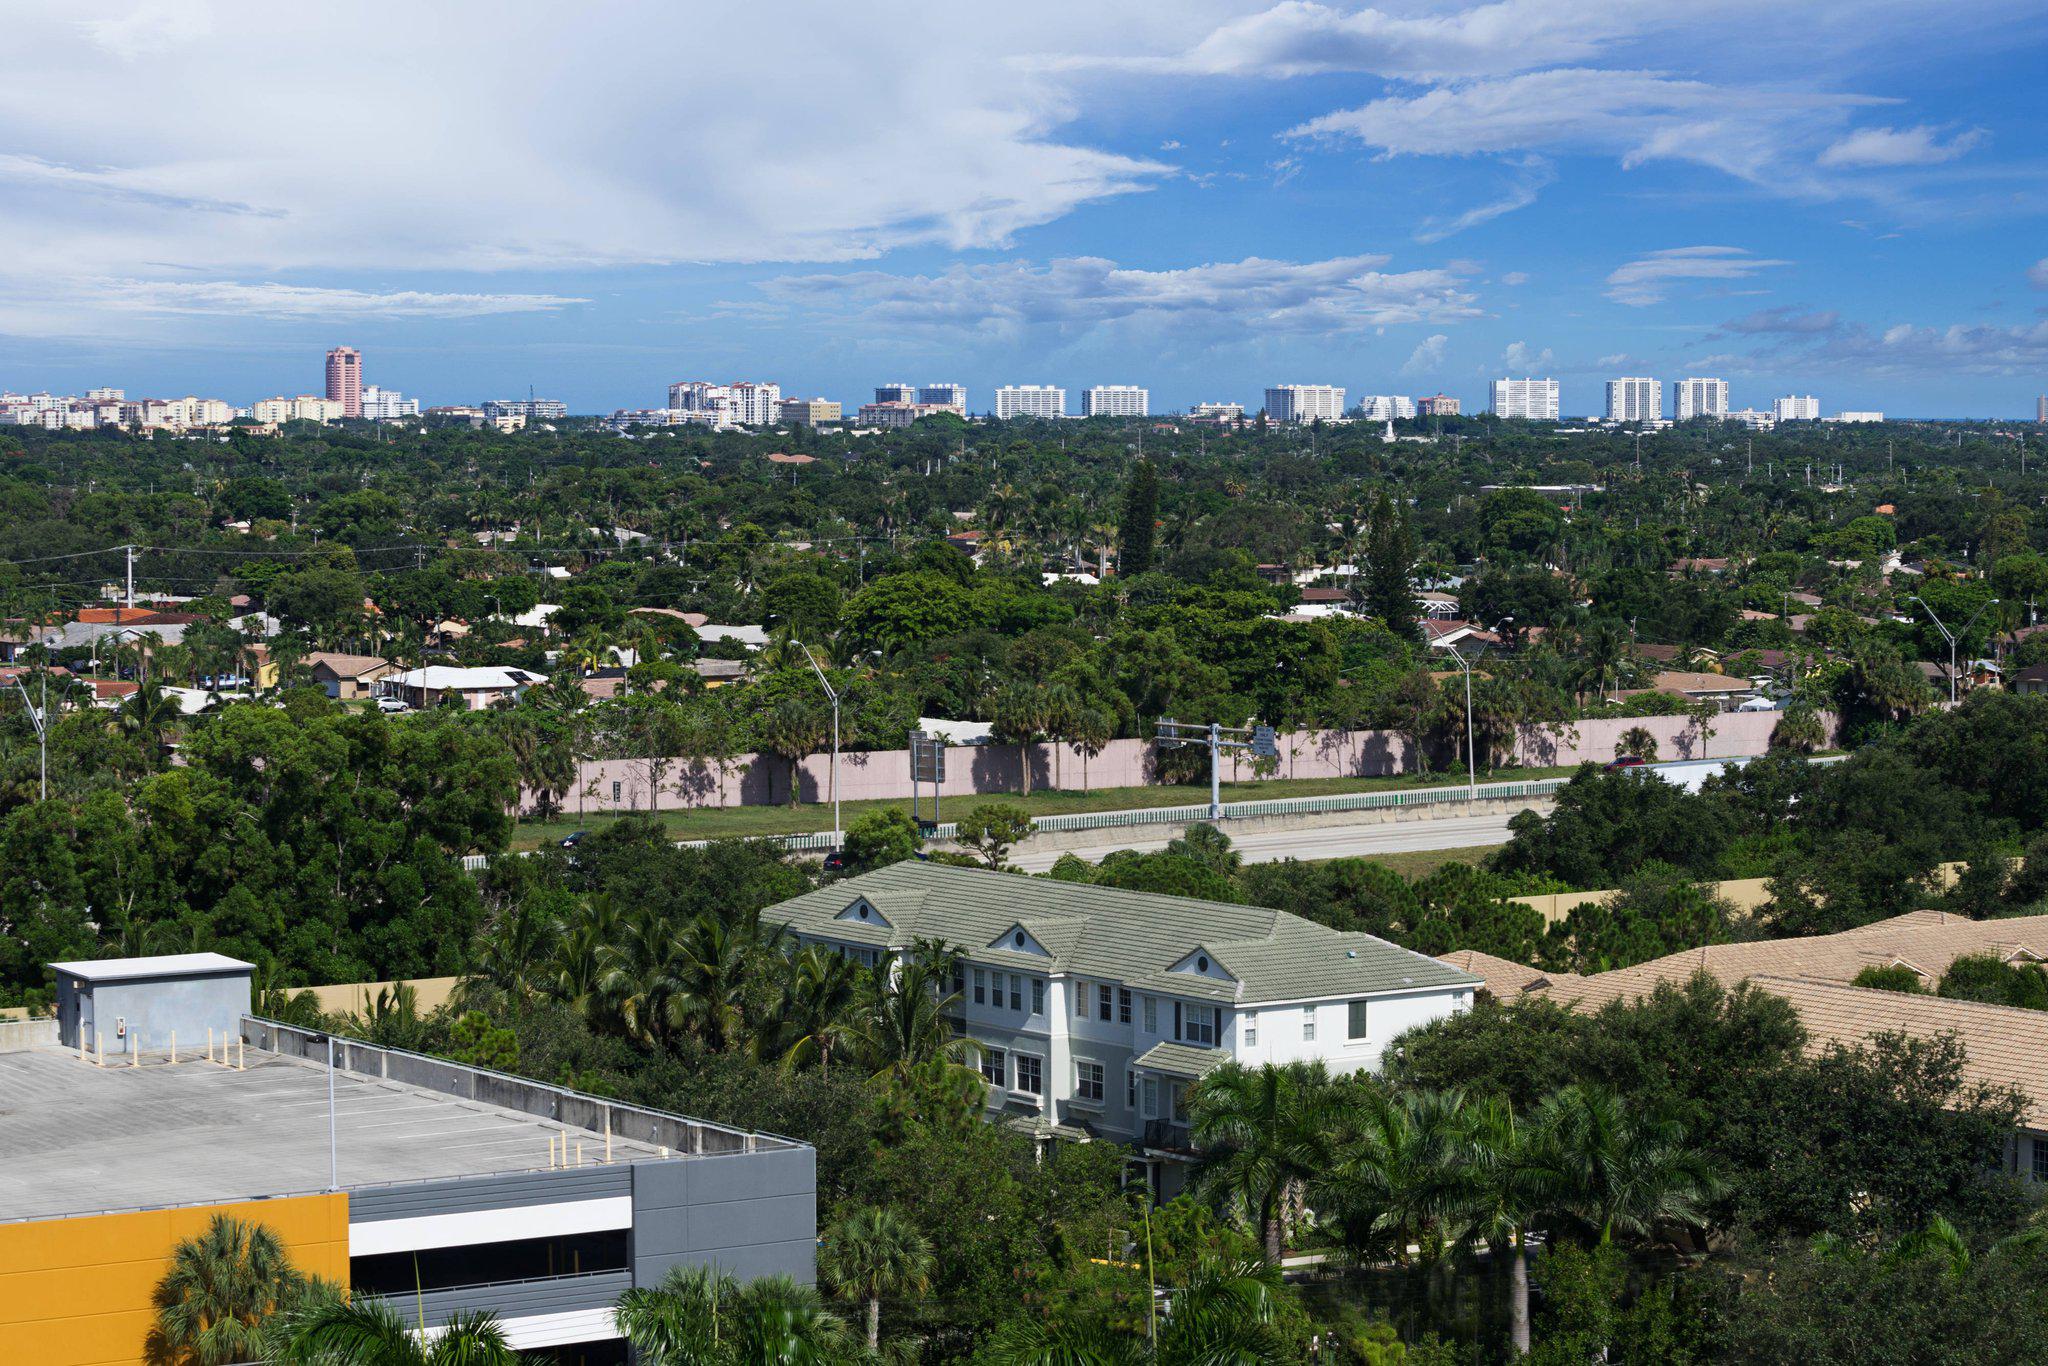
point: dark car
(1619, 762)
(570, 841)
(835, 861)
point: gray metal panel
(753, 1215)
(154, 1008)
(464, 1195)
(516, 1299)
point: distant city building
(1116, 400)
(1535, 399)
(1857, 415)
(952, 396)
(697, 395)
(2041, 408)
(895, 393)
(388, 405)
(457, 415)
(901, 414)
(759, 404)
(1229, 413)
(198, 412)
(1304, 402)
(345, 379)
(304, 408)
(1699, 398)
(1753, 418)
(531, 409)
(1438, 405)
(1796, 408)
(105, 395)
(809, 412)
(1386, 407)
(747, 403)
(1030, 400)
(1634, 399)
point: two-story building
(1095, 1009)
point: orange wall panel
(75, 1292)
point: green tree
(1137, 519)
(874, 1254)
(1261, 1131)
(1617, 1169)
(881, 838)
(1389, 587)
(700, 1316)
(218, 1296)
(369, 1332)
(991, 829)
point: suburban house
(2002, 1045)
(1095, 1009)
(346, 677)
(476, 688)
(2032, 679)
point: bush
(879, 839)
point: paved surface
(77, 1138)
(1328, 841)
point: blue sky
(1847, 199)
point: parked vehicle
(1622, 761)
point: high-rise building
(758, 404)
(1227, 413)
(1438, 405)
(1385, 407)
(1796, 408)
(943, 396)
(1694, 397)
(1116, 400)
(895, 393)
(1535, 399)
(1635, 399)
(1857, 415)
(105, 395)
(809, 412)
(1304, 402)
(1030, 400)
(304, 408)
(345, 379)
(696, 395)
(388, 405)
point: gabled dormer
(1017, 939)
(1202, 963)
(862, 911)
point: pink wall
(974, 770)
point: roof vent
(1351, 953)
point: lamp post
(1471, 743)
(41, 718)
(837, 840)
(1951, 637)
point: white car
(391, 706)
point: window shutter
(1176, 1019)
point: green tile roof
(1182, 1060)
(1110, 934)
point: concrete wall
(153, 1009)
(354, 998)
(471, 1194)
(752, 1215)
(976, 770)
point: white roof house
(753, 637)
(478, 687)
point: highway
(1329, 841)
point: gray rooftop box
(139, 1005)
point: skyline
(1845, 200)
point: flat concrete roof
(162, 965)
(76, 1138)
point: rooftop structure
(449, 1187)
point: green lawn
(752, 821)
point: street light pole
(837, 840)
(1471, 743)
(1952, 637)
(42, 729)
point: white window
(980, 987)
(1030, 1075)
(1357, 1019)
(1131, 1088)
(1016, 992)
(1151, 1097)
(1103, 1004)
(1038, 996)
(1198, 1024)
(1080, 999)
(1123, 1005)
(992, 1066)
(1088, 1082)
(1308, 1025)
(1251, 1031)
(1151, 1014)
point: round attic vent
(863, 913)
(1020, 939)
(1201, 965)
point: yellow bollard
(174, 1047)
(84, 1053)
(241, 1057)
(99, 1048)
(209, 1043)
(579, 1152)
(607, 1137)
(135, 1050)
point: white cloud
(1922, 146)
(1515, 277)
(1648, 279)
(1343, 294)
(1532, 174)
(2037, 273)
(162, 141)
(1428, 356)
(1638, 116)
(1518, 356)
(299, 301)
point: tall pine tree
(1390, 570)
(1135, 523)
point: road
(1329, 841)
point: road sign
(927, 758)
(1265, 742)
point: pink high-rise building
(345, 380)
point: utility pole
(1952, 637)
(130, 550)
(42, 729)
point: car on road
(1624, 761)
(392, 706)
(574, 838)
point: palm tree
(713, 964)
(907, 1025)
(793, 730)
(1392, 1180)
(1224, 1314)
(815, 1004)
(369, 1332)
(1614, 1169)
(701, 1316)
(1263, 1132)
(221, 1288)
(1090, 731)
(1499, 1195)
(873, 1253)
(147, 715)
